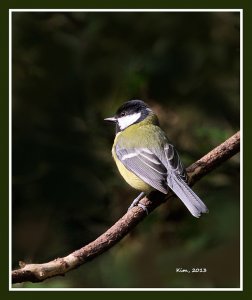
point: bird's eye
(123, 114)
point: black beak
(112, 119)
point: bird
(146, 158)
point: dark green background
(153, 222)
(70, 70)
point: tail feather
(187, 196)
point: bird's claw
(139, 205)
(143, 207)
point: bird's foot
(143, 207)
(136, 203)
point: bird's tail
(187, 196)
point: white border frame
(241, 149)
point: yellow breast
(130, 177)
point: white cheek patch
(126, 121)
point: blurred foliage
(70, 71)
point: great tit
(145, 157)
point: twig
(60, 266)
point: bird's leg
(136, 203)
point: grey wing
(176, 180)
(146, 165)
(173, 163)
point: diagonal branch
(60, 266)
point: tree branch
(60, 266)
